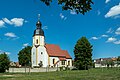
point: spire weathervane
(38, 16)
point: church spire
(38, 30)
(38, 24)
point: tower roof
(38, 30)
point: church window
(41, 52)
(63, 62)
(68, 63)
(37, 41)
(53, 61)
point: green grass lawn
(92, 74)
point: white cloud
(45, 27)
(117, 42)
(118, 16)
(7, 21)
(114, 11)
(72, 12)
(10, 34)
(7, 53)
(15, 21)
(117, 31)
(1, 23)
(4, 52)
(104, 35)
(0, 51)
(25, 21)
(62, 16)
(65, 18)
(25, 45)
(94, 38)
(106, 1)
(98, 12)
(110, 30)
(111, 39)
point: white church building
(47, 54)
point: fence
(14, 70)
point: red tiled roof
(62, 59)
(98, 61)
(66, 54)
(54, 50)
(114, 59)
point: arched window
(63, 62)
(53, 61)
(68, 63)
(41, 52)
(37, 41)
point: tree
(4, 62)
(83, 54)
(103, 63)
(24, 56)
(118, 60)
(111, 63)
(80, 6)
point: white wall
(42, 43)
(33, 56)
(63, 65)
(70, 62)
(60, 62)
(36, 52)
(37, 56)
(99, 65)
(40, 40)
(51, 61)
(42, 57)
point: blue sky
(101, 26)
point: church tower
(38, 36)
(38, 53)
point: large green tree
(4, 62)
(80, 6)
(118, 60)
(83, 54)
(24, 56)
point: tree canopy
(118, 60)
(4, 62)
(83, 54)
(79, 6)
(24, 56)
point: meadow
(92, 74)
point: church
(49, 55)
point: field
(92, 74)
